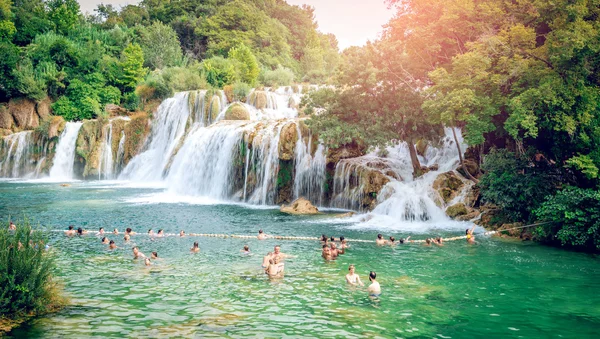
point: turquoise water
(497, 288)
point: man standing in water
(71, 232)
(261, 235)
(374, 289)
(12, 226)
(278, 254)
(380, 241)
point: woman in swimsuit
(470, 236)
(352, 278)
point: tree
(132, 67)
(9, 57)
(31, 19)
(160, 46)
(248, 66)
(7, 27)
(64, 14)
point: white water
(62, 168)
(309, 180)
(106, 164)
(18, 159)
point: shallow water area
(493, 289)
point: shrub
(574, 218)
(219, 71)
(25, 271)
(515, 184)
(279, 77)
(241, 91)
(131, 101)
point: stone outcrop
(136, 132)
(56, 125)
(300, 206)
(115, 110)
(353, 150)
(259, 99)
(89, 146)
(6, 119)
(237, 111)
(457, 210)
(287, 141)
(421, 147)
(448, 185)
(23, 113)
(470, 166)
(44, 108)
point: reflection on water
(493, 289)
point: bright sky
(352, 21)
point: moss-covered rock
(457, 210)
(215, 107)
(287, 141)
(448, 185)
(136, 132)
(300, 206)
(56, 125)
(229, 92)
(352, 150)
(88, 148)
(471, 166)
(421, 147)
(259, 99)
(237, 111)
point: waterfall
(106, 165)
(17, 152)
(120, 152)
(168, 130)
(310, 177)
(62, 168)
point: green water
(494, 289)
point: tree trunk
(460, 157)
(414, 159)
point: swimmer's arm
(359, 281)
(348, 280)
(407, 238)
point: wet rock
(56, 126)
(136, 132)
(469, 216)
(6, 119)
(237, 111)
(228, 90)
(88, 148)
(344, 215)
(259, 99)
(300, 206)
(215, 108)
(457, 210)
(292, 103)
(471, 166)
(23, 112)
(433, 168)
(421, 147)
(448, 185)
(287, 141)
(43, 108)
(353, 150)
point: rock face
(24, 114)
(347, 151)
(6, 119)
(237, 111)
(471, 166)
(89, 143)
(115, 110)
(448, 185)
(258, 99)
(44, 108)
(300, 206)
(56, 126)
(136, 133)
(457, 210)
(287, 141)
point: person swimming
(266, 259)
(181, 234)
(115, 231)
(326, 253)
(402, 240)
(278, 254)
(126, 237)
(195, 248)
(100, 231)
(129, 231)
(380, 241)
(343, 245)
(112, 245)
(374, 289)
(332, 239)
(438, 241)
(324, 238)
(334, 251)
(470, 236)
(352, 278)
(160, 233)
(71, 231)
(151, 232)
(427, 242)
(80, 231)
(147, 262)
(246, 250)
(154, 255)
(105, 241)
(137, 254)
(392, 241)
(261, 235)
(12, 226)
(274, 269)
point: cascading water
(120, 152)
(106, 165)
(309, 180)
(17, 155)
(62, 168)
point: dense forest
(519, 78)
(522, 81)
(136, 53)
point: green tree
(219, 71)
(132, 67)
(64, 14)
(248, 66)
(9, 57)
(160, 46)
(7, 27)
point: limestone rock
(4, 132)
(287, 141)
(292, 103)
(228, 90)
(421, 147)
(471, 166)
(469, 216)
(136, 132)
(448, 185)
(44, 108)
(237, 111)
(300, 206)
(215, 108)
(23, 111)
(344, 152)
(6, 119)
(56, 126)
(259, 99)
(457, 210)
(115, 110)
(89, 146)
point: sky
(352, 21)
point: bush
(219, 71)
(184, 78)
(515, 184)
(279, 77)
(574, 218)
(25, 272)
(241, 91)
(131, 101)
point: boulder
(215, 108)
(89, 146)
(471, 166)
(259, 99)
(6, 119)
(44, 108)
(292, 103)
(23, 112)
(136, 132)
(448, 185)
(287, 141)
(4, 132)
(433, 168)
(115, 110)
(421, 147)
(300, 206)
(228, 90)
(56, 126)
(457, 210)
(237, 111)
(353, 150)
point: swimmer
(326, 253)
(154, 255)
(324, 238)
(129, 231)
(438, 241)
(80, 231)
(332, 239)
(105, 241)
(266, 259)
(392, 241)
(374, 289)
(261, 235)
(427, 242)
(137, 254)
(380, 241)
(182, 233)
(100, 231)
(272, 268)
(160, 233)
(126, 237)
(151, 232)
(147, 262)
(112, 245)
(12, 226)
(115, 231)
(343, 245)
(195, 248)
(70, 232)
(334, 251)
(402, 240)
(277, 254)
(352, 278)
(470, 236)
(246, 250)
